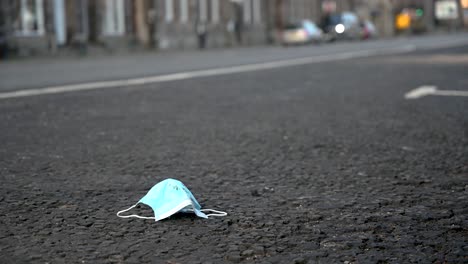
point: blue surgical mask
(169, 197)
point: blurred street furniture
(464, 12)
(369, 31)
(411, 21)
(378, 12)
(447, 13)
(403, 21)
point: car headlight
(340, 28)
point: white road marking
(451, 93)
(432, 90)
(202, 73)
(420, 92)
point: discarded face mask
(169, 197)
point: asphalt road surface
(316, 163)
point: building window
(29, 19)
(257, 15)
(292, 13)
(183, 11)
(202, 10)
(214, 11)
(169, 5)
(114, 17)
(247, 11)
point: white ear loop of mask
(133, 215)
(215, 212)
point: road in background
(324, 162)
(18, 75)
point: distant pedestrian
(3, 45)
(238, 31)
(201, 34)
(238, 23)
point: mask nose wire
(133, 215)
(216, 212)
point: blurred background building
(29, 27)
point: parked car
(369, 30)
(302, 32)
(341, 26)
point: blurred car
(302, 32)
(342, 26)
(369, 30)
